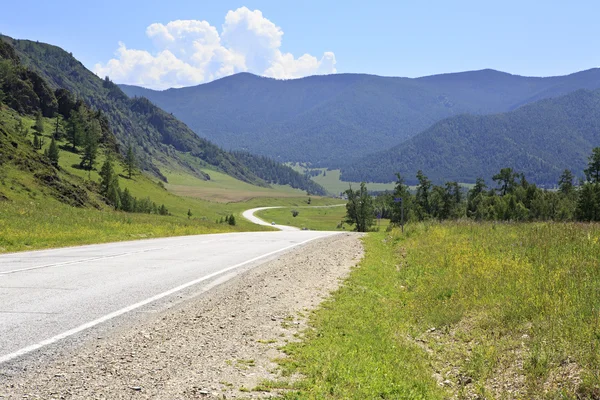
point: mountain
(539, 139)
(159, 138)
(328, 120)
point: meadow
(462, 310)
(319, 218)
(330, 180)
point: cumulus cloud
(189, 52)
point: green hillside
(328, 120)
(540, 140)
(157, 136)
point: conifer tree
(130, 161)
(592, 172)
(56, 134)
(39, 123)
(90, 143)
(53, 153)
(76, 127)
(109, 183)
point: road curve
(50, 295)
(249, 215)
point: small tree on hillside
(359, 209)
(90, 143)
(130, 161)
(76, 127)
(39, 123)
(109, 184)
(53, 153)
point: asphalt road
(51, 295)
(249, 215)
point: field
(332, 183)
(314, 218)
(460, 310)
(223, 188)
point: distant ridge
(328, 120)
(540, 139)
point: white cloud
(189, 52)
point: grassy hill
(540, 139)
(328, 120)
(158, 137)
(50, 196)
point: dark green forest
(330, 120)
(509, 196)
(540, 139)
(276, 173)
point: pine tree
(130, 161)
(565, 183)
(57, 128)
(189, 213)
(126, 201)
(76, 127)
(109, 183)
(21, 129)
(39, 123)
(53, 153)
(90, 143)
(231, 220)
(36, 141)
(592, 172)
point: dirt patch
(211, 346)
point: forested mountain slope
(540, 139)
(159, 137)
(158, 134)
(327, 120)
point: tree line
(510, 198)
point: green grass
(496, 310)
(332, 183)
(314, 218)
(222, 187)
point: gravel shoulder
(210, 346)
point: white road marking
(132, 307)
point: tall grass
(461, 309)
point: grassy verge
(460, 310)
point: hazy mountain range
(339, 120)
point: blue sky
(394, 38)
